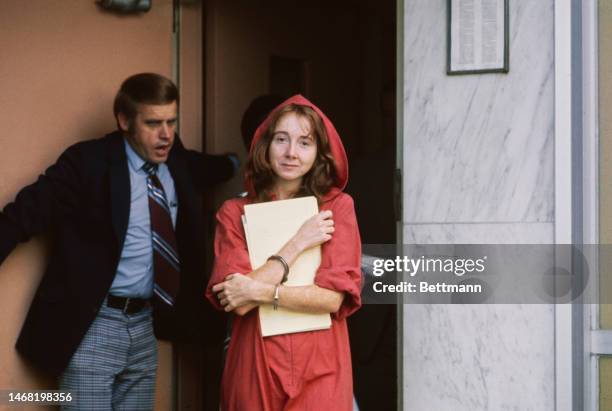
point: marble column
(478, 168)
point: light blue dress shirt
(134, 276)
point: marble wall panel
(478, 168)
(478, 357)
(478, 148)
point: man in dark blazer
(117, 209)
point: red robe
(300, 371)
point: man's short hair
(144, 88)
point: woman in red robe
(295, 152)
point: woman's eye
(280, 139)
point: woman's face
(293, 148)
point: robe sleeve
(231, 253)
(340, 268)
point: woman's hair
(317, 181)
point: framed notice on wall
(478, 36)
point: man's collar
(134, 160)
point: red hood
(337, 149)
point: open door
(342, 56)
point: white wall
(478, 168)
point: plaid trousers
(115, 365)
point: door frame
(399, 196)
(578, 341)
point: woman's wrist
(265, 293)
(292, 249)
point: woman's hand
(238, 290)
(315, 231)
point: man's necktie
(166, 263)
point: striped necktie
(166, 263)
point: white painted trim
(601, 342)
(563, 357)
(590, 99)
(593, 400)
(563, 195)
(593, 340)
(563, 123)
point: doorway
(342, 56)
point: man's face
(151, 132)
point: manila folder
(268, 226)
